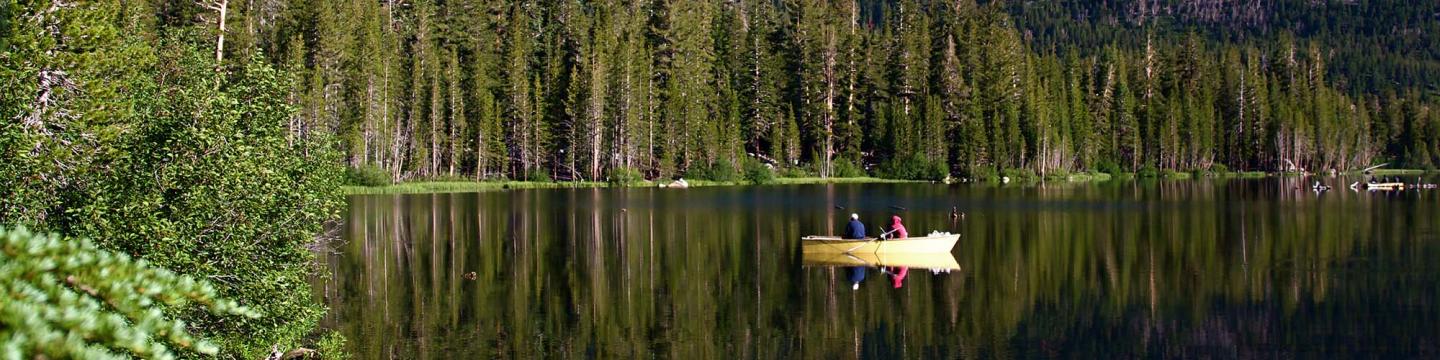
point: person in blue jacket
(855, 229)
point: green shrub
(625, 176)
(758, 173)
(1109, 167)
(1148, 172)
(367, 175)
(913, 167)
(538, 176)
(332, 346)
(1220, 169)
(1019, 174)
(846, 168)
(984, 173)
(795, 172)
(448, 178)
(721, 170)
(66, 298)
(1172, 174)
(207, 180)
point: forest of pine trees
(573, 90)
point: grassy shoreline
(421, 187)
(452, 186)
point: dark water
(1210, 269)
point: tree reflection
(1197, 268)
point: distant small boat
(931, 260)
(936, 242)
(1379, 186)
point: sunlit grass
(480, 186)
(451, 186)
(464, 186)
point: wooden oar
(887, 233)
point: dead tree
(221, 7)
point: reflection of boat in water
(1383, 186)
(936, 242)
(932, 261)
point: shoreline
(461, 186)
(426, 187)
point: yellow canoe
(933, 261)
(933, 243)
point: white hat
(855, 216)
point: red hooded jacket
(898, 228)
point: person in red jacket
(897, 275)
(897, 228)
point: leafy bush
(984, 173)
(1109, 167)
(332, 346)
(846, 168)
(795, 172)
(1220, 169)
(758, 173)
(721, 170)
(913, 167)
(367, 175)
(1148, 172)
(1019, 174)
(625, 176)
(65, 298)
(538, 176)
(448, 178)
(207, 179)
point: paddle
(887, 233)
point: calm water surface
(1211, 269)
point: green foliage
(795, 172)
(984, 174)
(1109, 167)
(538, 176)
(1220, 169)
(1019, 174)
(913, 167)
(1148, 172)
(154, 150)
(758, 173)
(625, 176)
(717, 171)
(66, 298)
(845, 168)
(332, 346)
(367, 175)
(1173, 174)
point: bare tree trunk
(222, 7)
(436, 121)
(457, 111)
(828, 122)
(597, 111)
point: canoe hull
(932, 261)
(927, 244)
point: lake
(1155, 269)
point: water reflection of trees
(1176, 268)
